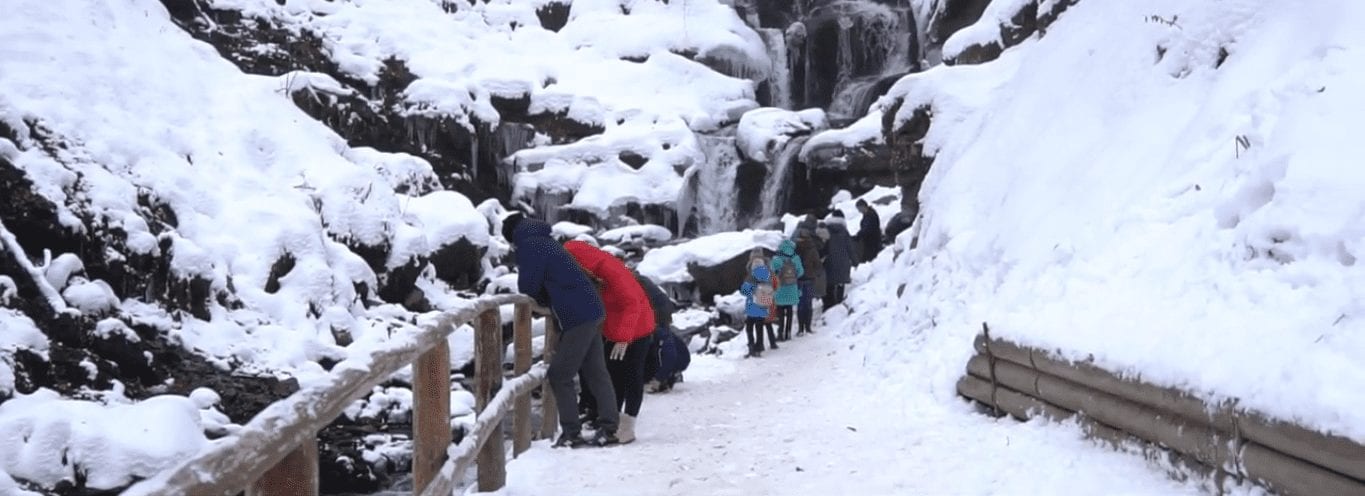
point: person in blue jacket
(546, 272)
(668, 353)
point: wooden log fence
(275, 454)
(1218, 439)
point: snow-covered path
(797, 421)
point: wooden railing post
(521, 413)
(295, 475)
(549, 418)
(431, 414)
(488, 354)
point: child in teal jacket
(787, 268)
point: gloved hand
(618, 351)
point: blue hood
(761, 273)
(787, 247)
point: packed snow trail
(800, 420)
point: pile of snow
(987, 29)
(647, 232)
(762, 132)
(1183, 204)
(668, 264)
(569, 230)
(46, 439)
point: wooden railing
(275, 454)
(1221, 440)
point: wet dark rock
(459, 264)
(1022, 24)
(553, 15)
(1050, 15)
(279, 269)
(721, 279)
(906, 144)
(956, 14)
(397, 284)
(634, 160)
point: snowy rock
(62, 268)
(92, 297)
(568, 230)
(46, 440)
(114, 327)
(651, 234)
(762, 132)
(7, 290)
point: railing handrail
(233, 463)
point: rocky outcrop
(709, 281)
(1031, 17)
(906, 146)
(101, 349)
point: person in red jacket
(627, 332)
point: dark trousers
(836, 295)
(784, 322)
(580, 352)
(627, 378)
(805, 308)
(754, 328)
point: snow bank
(1177, 199)
(45, 439)
(647, 232)
(867, 130)
(669, 263)
(763, 131)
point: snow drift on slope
(1177, 198)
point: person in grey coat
(838, 258)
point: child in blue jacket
(758, 297)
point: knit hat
(509, 223)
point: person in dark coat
(668, 354)
(869, 232)
(546, 272)
(812, 281)
(838, 258)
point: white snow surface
(1191, 223)
(808, 419)
(669, 263)
(762, 132)
(45, 439)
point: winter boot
(567, 440)
(603, 438)
(626, 432)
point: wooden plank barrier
(275, 453)
(1219, 439)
